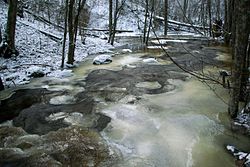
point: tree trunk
(218, 9)
(71, 49)
(241, 40)
(145, 22)
(65, 32)
(1, 85)
(226, 23)
(11, 24)
(110, 19)
(0, 36)
(209, 16)
(233, 16)
(150, 22)
(115, 22)
(165, 17)
(81, 4)
(185, 7)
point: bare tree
(185, 8)
(240, 51)
(65, 32)
(11, 25)
(145, 21)
(71, 49)
(218, 9)
(209, 16)
(1, 85)
(73, 26)
(110, 18)
(165, 17)
(118, 8)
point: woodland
(72, 71)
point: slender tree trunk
(203, 16)
(65, 32)
(218, 9)
(145, 22)
(185, 7)
(226, 24)
(240, 47)
(1, 36)
(11, 24)
(81, 4)
(233, 16)
(110, 19)
(1, 85)
(209, 16)
(150, 22)
(71, 32)
(115, 22)
(165, 17)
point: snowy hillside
(39, 52)
(131, 16)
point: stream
(160, 116)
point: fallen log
(42, 19)
(50, 35)
(97, 29)
(181, 24)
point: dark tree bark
(218, 10)
(229, 13)
(110, 19)
(115, 22)
(234, 18)
(65, 32)
(71, 32)
(11, 25)
(150, 21)
(1, 85)
(209, 16)
(165, 17)
(73, 27)
(240, 51)
(81, 4)
(1, 39)
(118, 9)
(185, 7)
(226, 24)
(145, 22)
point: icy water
(186, 127)
(182, 128)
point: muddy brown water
(185, 124)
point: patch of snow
(102, 59)
(165, 41)
(157, 47)
(56, 116)
(61, 73)
(126, 51)
(150, 61)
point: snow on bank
(40, 53)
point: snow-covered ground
(38, 52)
